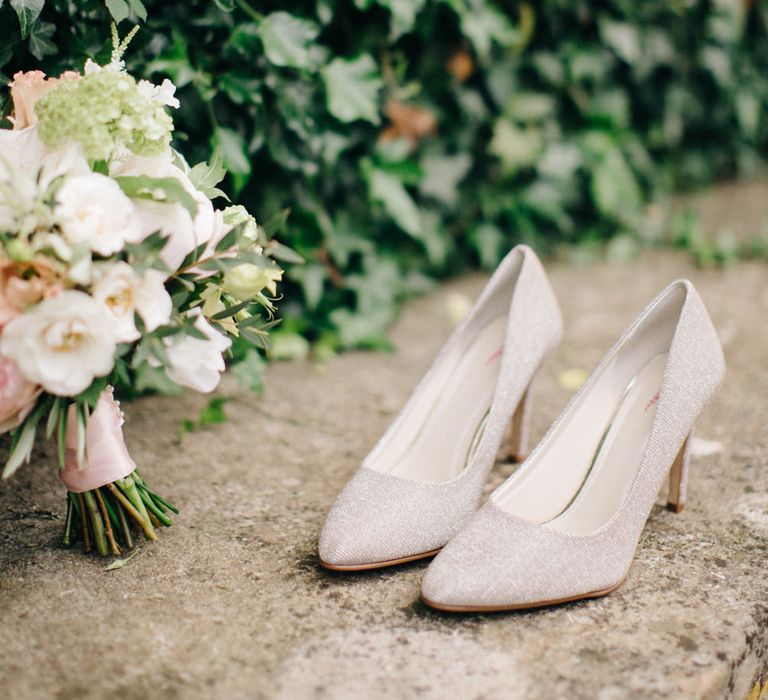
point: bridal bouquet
(113, 263)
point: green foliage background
(545, 123)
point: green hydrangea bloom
(102, 111)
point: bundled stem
(108, 517)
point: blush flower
(26, 89)
(17, 395)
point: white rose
(183, 232)
(124, 294)
(62, 343)
(197, 363)
(92, 209)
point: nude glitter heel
(514, 447)
(678, 478)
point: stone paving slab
(231, 602)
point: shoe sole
(380, 564)
(520, 606)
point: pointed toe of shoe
(379, 520)
(499, 562)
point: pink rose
(26, 89)
(17, 395)
(23, 285)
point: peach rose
(17, 395)
(25, 284)
(26, 89)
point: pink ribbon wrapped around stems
(106, 457)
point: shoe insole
(452, 415)
(614, 463)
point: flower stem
(96, 523)
(68, 524)
(157, 498)
(128, 487)
(150, 504)
(124, 524)
(84, 523)
(107, 524)
(135, 514)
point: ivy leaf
(234, 153)
(40, 44)
(27, 11)
(516, 147)
(486, 25)
(386, 189)
(352, 88)
(158, 189)
(121, 9)
(205, 176)
(614, 187)
(403, 15)
(442, 175)
(287, 39)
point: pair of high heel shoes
(566, 523)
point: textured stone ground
(231, 603)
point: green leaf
(352, 89)
(91, 395)
(118, 9)
(138, 9)
(120, 563)
(485, 25)
(442, 175)
(277, 222)
(614, 188)
(517, 148)
(392, 195)
(287, 39)
(488, 240)
(40, 44)
(403, 15)
(312, 279)
(205, 176)
(27, 11)
(278, 251)
(225, 5)
(289, 346)
(234, 153)
(155, 379)
(250, 371)
(213, 412)
(158, 189)
(623, 39)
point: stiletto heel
(425, 476)
(514, 447)
(678, 478)
(566, 523)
